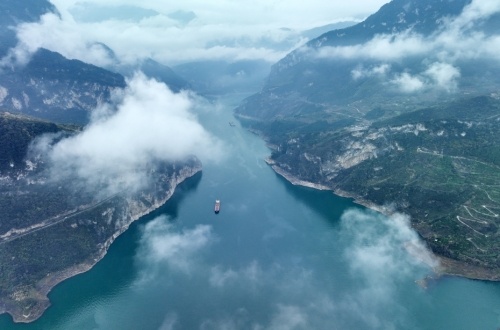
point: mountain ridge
(339, 119)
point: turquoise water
(277, 256)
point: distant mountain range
(53, 87)
(378, 111)
(400, 112)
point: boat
(231, 124)
(217, 206)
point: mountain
(320, 30)
(54, 228)
(16, 134)
(55, 88)
(219, 76)
(13, 12)
(320, 74)
(401, 113)
(155, 70)
(53, 224)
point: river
(277, 256)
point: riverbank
(447, 266)
(27, 304)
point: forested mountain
(53, 224)
(400, 112)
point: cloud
(405, 56)
(443, 75)
(170, 322)
(377, 70)
(377, 256)
(384, 47)
(408, 83)
(159, 35)
(147, 124)
(381, 257)
(220, 278)
(161, 243)
(438, 76)
(477, 10)
(288, 318)
(457, 39)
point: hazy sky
(195, 30)
(173, 32)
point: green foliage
(16, 133)
(438, 164)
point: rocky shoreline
(447, 266)
(39, 295)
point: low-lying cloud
(439, 55)
(378, 257)
(146, 124)
(285, 293)
(162, 244)
(227, 31)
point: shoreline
(446, 267)
(44, 286)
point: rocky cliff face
(350, 112)
(51, 231)
(54, 88)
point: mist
(182, 32)
(145, 124)
(439, 56)
(283, 294)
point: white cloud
(219, 277)
(377, 256)
(439, 76)
(147, 124)
(158, 36)
(380, 70)
(458, 42)
(286, 294)
(476, 11)
(169, 323)
(385, 47)
(408, 83)
(443, 75)
(161, 243)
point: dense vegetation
(339, 120)
(51, 228)
(440, 165)
(16, 133)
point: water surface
(277, 256)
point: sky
(146, 122)
(196, 30)
(176, 32)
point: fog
(173, 33)
(439, 54)
(145, 123)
